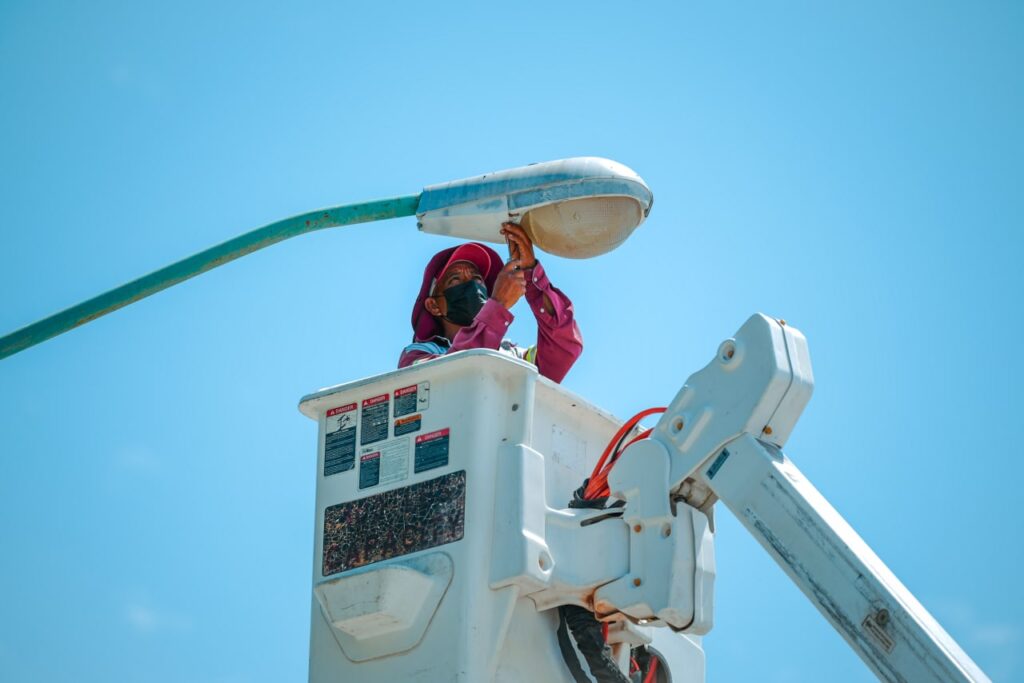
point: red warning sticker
(412, 399)
(429, 436)
(375, 419)
(369, 470)
(431, 450)
(341, 409)
(340, 439)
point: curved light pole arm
(58, 323)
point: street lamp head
(577, 208)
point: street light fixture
(577, 208)
(574, 207)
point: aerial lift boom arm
(721, 438)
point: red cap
(475, 253)
(486, 260)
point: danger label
(431, 450)
(409, 400)
(375, 419)
(384, 465)
(369, 469)
(340, 439)
(407, 425)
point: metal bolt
(515, 407)
(768, 430)
(637, 528)
(637, 582)
(882, 617)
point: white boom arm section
(721, 439)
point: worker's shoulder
(432, 347)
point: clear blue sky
(854, 168)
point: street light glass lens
(581, 228)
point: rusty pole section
(70, 318)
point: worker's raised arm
(559, 341)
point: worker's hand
(519, 245)
(510, 285)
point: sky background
(854, 168)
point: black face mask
(465, 301)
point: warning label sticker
(369, 469)
(340, 439)
(407, 425)
(375, 419)
(385, 464)
(409, 400)
(431, 450)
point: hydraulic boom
(722, 437)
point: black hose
(586, 631)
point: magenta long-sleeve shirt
(559, 342)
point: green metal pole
(350, 214)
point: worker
(466, 298)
